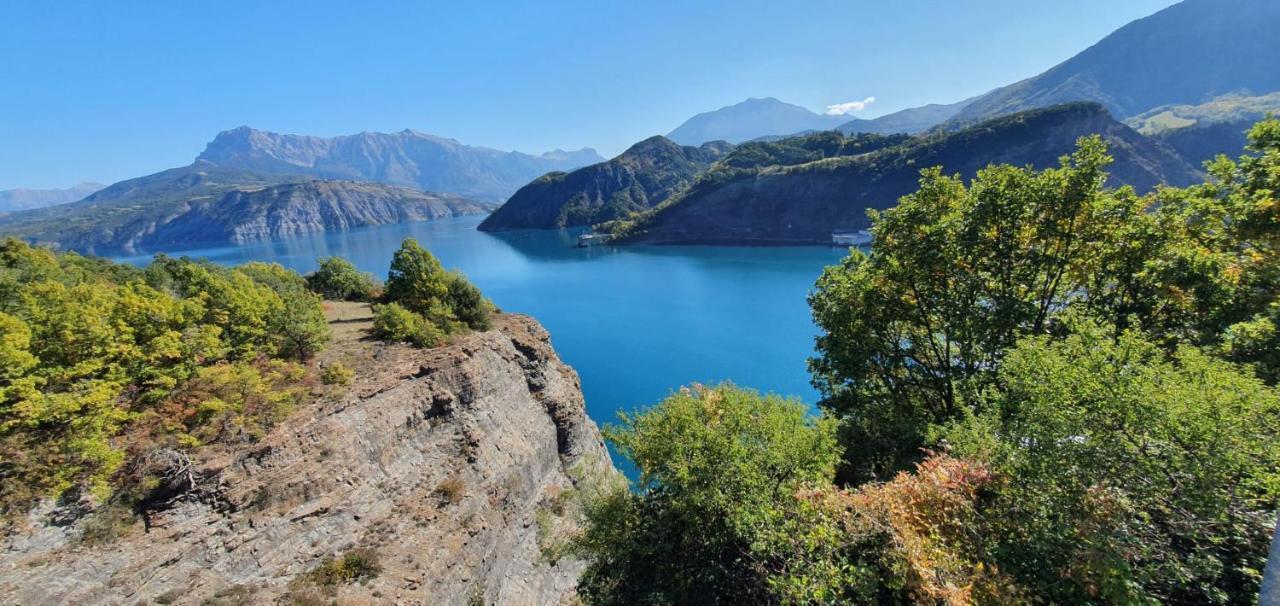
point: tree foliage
(99, 361)
(957, 274)
(717, 468)
(339, 280)
(1131, 475)
(1047, 391)
(423, 303)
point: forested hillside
(800, 190)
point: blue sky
(110, 90)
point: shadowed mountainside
(804, 203)
(638, 179)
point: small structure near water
(851, 238)
(592, 239)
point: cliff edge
(450, 465)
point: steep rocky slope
(407, 158)
(1189, 53)
(805, 203)
(638, 179)
(302, 208)
(205, 204)
(452, 465)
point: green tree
(1220, 285)
(468, 303)
(954, 277)
(417, 281)
(101, 362)
(718, 466)
(300, 324)
(393, 322)
(338, 279)
(1131, 475)
(418, 284)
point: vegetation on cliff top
(1034, 388)
(115, 380)
(111, 374)
(423, 303)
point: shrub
(336, 373)
(418, 282)
(352, 566)
(1137, 476)
(467, 303)
(393, 322)
(452, 489)
(724, 461)
(338, 279)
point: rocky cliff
(291, 209)
(450, 465)
(638, 179)
(208, 205)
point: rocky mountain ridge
(1189, 53)
(406, 158)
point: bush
(1137, 476)
(337, 279)
(717, 466)
(336, 374)
(353, 566)
(467, 303)
(393, 322)
(418, 282)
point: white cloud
(841, 109)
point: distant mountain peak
(23, 198)
(751, 119)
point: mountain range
(640, 178)
(251, 184)
(1191, 78)
(749, 120)
(406, 158)
(1188, 54)
(770, 118)
(27, 199)
(810, 186)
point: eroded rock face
(445, 462)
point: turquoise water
(636, 322)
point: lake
(637, 322)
